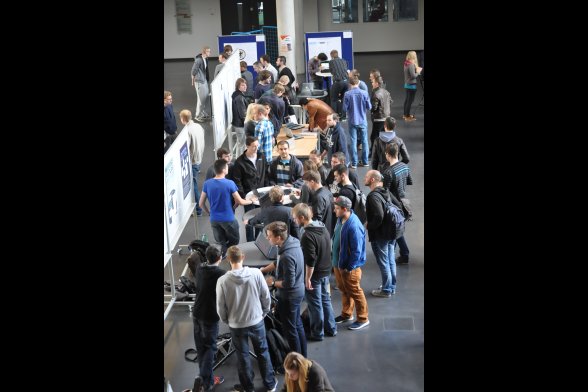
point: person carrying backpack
(381, 236)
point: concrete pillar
(285, 15)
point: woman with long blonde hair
(411, 72)
(304, 375)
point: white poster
(324, 45)
(221, 89)
(177, 179)
(247, 51)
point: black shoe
(402, 260)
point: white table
(285, 200)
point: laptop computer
(263, 197)
(269, 251)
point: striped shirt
(396, 177)
(338, 68)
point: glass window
(375, 10)
(344, 11)
(405, 9)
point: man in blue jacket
(348, 254)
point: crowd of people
(318, 236)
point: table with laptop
(300, 140)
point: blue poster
(186, 169)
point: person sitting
(276, 212)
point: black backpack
(393, 216)
(278, 347)
(360, 204)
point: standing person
(396, 178)
(266, 62)
(317, 158)
(200, 80)
(283, 70)
(289, 281)
(317, 111)
(218, 191)
(250, 122)
(314, 66)
(196, 139)
(348, 255)
(338, 68)
(248, 76)
(205, 317)
(239, 108)
(221, 153)
(356, 103)
(264, 132)
(379, 161)
(169, 120)
(336, 138)
(381, 237)
(321, 199)
(332, 184)
(304, 375)
(228, 49)
(242, 301)
(249, 173)
(381, 105)
(411, 71)
(315, 242)
(222, 59)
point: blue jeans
(361, 131)
(320, 310)
(403, 246)
(240, 340)
(384, 253)
(195, 173)
(225, 233)
(250, 232)
(289, 312)
(205, 335)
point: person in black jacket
(316, 248)
(379, 160)
(381, 237)
(205, 317)
(248, 177)
(276, 212)
(304, 375)
(240, 103)
(322, 199)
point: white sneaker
(275, 388)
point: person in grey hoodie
(242, 301)
(315, 242)
(290, 284)
(379, 161)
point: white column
(285, 16)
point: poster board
(249, 48)
(221, 89)
(178, 191)
(326, 41)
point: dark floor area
(386, 356)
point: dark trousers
(377, 127)
(205, 334)
(410, 94)
(289, 312)
(338, 88)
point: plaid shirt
(264, 132)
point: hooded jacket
(290, 269)
(200, 70)
(242, 297)
(316, 248)
(352, 247)
(240, 103)
(379, 150)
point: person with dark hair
(228, 49)
(225, 227)
(222, 59)
(314, 66)
(315, 242)
(335, 138)
(239, 108)
(242, 302)
(411, 72)
(348, 256)
(221, 153)
(321, 199)
(289, 282)
(379, 161)
(249, 173)
(263, 85)
(356, 103)
(317, 111)
(338, 68)
(286, 169)
(283, 70)
(266, 62)
(205, 317)
(304, 375)
(381, 106)
(248, 76)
